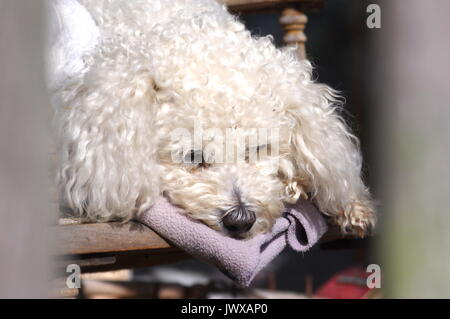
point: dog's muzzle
(238, 220)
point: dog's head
(226, 139)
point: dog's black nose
(239, 221)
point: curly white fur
(162, 65)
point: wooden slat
(256, 5)
(107, 238)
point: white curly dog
(144, 69)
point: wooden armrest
(100, 238)
(116, 238)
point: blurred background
(395, 82)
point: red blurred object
(348, 284)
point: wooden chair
(114, 246)
(293, 17)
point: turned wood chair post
(294, 23)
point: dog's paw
(358, 219)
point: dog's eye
(261, 147)
(257, 148)
(254, 151)
(194, 157)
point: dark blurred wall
(410, 103)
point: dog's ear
(324, 155)
(106, 143)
